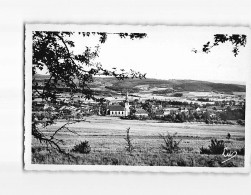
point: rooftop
(116, 108)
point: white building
(117, 110)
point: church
(117, 110)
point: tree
(237, 40)
(55, 52)
(206, 116)
(78, 116)
(190, 117)
(223, 116)
(102, 109)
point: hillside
(177, 85)
(136, 85)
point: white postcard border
(122, 28)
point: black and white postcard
(137, 98)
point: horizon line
(213, 81)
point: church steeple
(126, 99)
(127, 105)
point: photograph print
(137, 98)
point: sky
(166, 53)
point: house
(171, 110)
(204, 110)
(185, 110)
(159, 113)
(213, 116)
(219, 108)
(48, 107)
(198, 110)
(141, 113)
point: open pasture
(106, 136)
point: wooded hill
(136, 85)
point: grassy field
(106, 138)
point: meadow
(106, 137)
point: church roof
(116, 108)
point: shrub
(204, 150)
(241, 122)
(115, 161)
(241, 151)
(129, 147)
(216, 147)
(83, 148)
(177, 94)
(170, 145)
(228, 136)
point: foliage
(129, 147)
(241, 151)
(83, 148)
(236, 114)
(216, 147)
(163, 92)
(228, 136)
(203, 99)
(144, 158)
(237, 40)
(204, 150)
(170, 144)
(51, 140)
(241, 122)
(177, 94)
(54, 51)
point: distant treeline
(203, 99)
(233, 114)
(119, 89)
(163, 92)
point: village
(220, 109)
